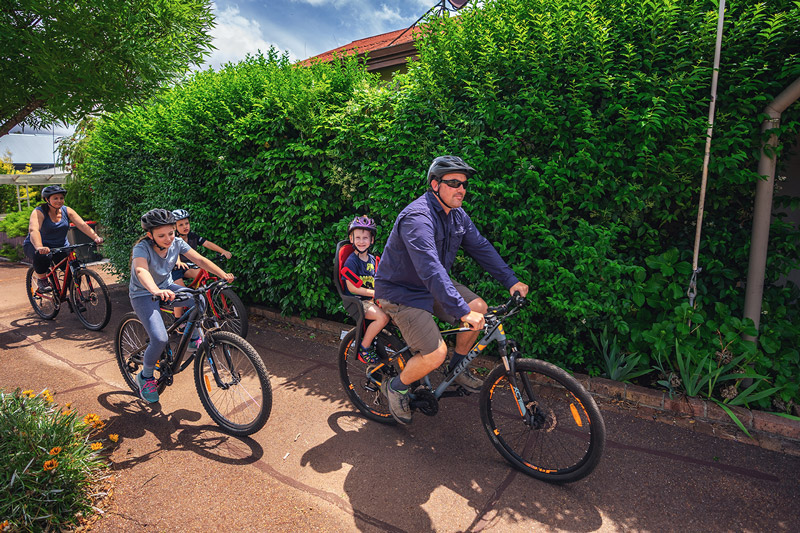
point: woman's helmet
(50, 190)
(447, 164)
(362, 222)
(155, 218)
(180, 214)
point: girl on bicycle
(48, 228)
(153, 258)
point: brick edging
(768, 431)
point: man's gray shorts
(418, 327)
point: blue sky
(304, 28)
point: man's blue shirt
(421, 250)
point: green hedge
(587, 124)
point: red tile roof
(368, 44)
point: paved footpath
(317, 466)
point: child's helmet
(50, 190)
(180, 214)
(155, 218)
(448, 164)
(362, 222)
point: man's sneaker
(43, 284)
(399, 403)
(469, 381)
(148, 388)
(368, 356)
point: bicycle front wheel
(362, 382)
(130, 342)
(44, 304)
(562, 435)
(231, 312)
(233, 383)
(90, 300)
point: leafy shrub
(49, 462)
(586, 122)
(15, 224)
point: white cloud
(235, 36)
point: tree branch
(22, 114)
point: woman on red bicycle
(47, 228)
(152, 260)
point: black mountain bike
(229, 375)
(540, 418)
(88, 294)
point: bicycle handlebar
(517, 301)
(185, 293)
(71, 247)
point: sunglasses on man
(455, 184)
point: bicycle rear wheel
(231, 312)
(362, 382)
(46, 305)
(90, 300)
(562, 436)
(238, 396)
(130, 343)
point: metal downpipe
(762, 211)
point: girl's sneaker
(43, 284)
(148, 388)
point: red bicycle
(88, 294)
(227, 307)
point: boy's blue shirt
(364, 270)
(421, 250)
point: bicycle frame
(493, 332)
(70, 263)
(194, 316)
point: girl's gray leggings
(148, 312)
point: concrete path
(318, 466)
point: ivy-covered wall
(586, 121)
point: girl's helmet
(447, 164)
(50, 190)
(155, 218)
(362, 222)
(180, 214)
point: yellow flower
(113, 437)
(91, 419)
(66, 412)
(69, 405)
(29, 393)
(4, 525)
(96, 446)
(51, 464)
(56, 450)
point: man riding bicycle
(414, 283)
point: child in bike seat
(358, 275)
(191, 238)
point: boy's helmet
(362, 222)
(155, 218)
(180, 214)
(447, 164)
(50, 190)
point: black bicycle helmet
(447, 164)
(50, 190)
(180, 214)
(155, 218)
